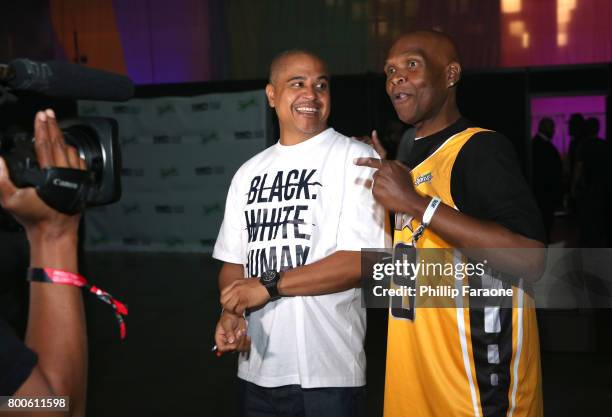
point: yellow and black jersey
(462, 360)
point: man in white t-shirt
(296, 217)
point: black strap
(64, 189)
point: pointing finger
(369, 162)
(378, 146)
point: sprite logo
(211, 208)
(174, 241)
(166, 108)
(209, 137)
(168, 172)
(245, 104)
(423, 178)
(88, 110)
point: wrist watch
(269, 279)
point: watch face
(268, 276)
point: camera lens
(84, 140)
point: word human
(267, 259)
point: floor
(166, 368)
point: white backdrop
(178, 157)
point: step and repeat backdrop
(178, 158)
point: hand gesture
(243, 294)
(231, 334)
(24, 203)
(374, 142)
(392, 187)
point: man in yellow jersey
(465, 182)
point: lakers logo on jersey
(403, 221)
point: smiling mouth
(307, 110)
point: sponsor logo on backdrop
(209, 137)
(245, 104)
(97, 241)
(168, 172)
(211, 208)
(248, 134)
(88, 110)
(208, 170)
(206, 106)
(132, 172)
(174, 241)
(216, 132)
(169, 209)
(136, 241)
(166, 139)
(131, 208)
(125, 109)
(165, 109)
(99, 209)
(129, 140)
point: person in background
(576, 128)
(590, 186)
(547, 173)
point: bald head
(281, 60)
(438, 44)
(422, 69)
(547, 127)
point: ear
(453, 74)
(270, 94)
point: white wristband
(430, 210)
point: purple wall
(165, 41)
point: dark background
(165, 366)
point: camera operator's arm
(56, 323)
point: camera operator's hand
(23, 203)
(62, 355)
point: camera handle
(5, 96)
(64, 189)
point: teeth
(306, 109)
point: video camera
(95, 138)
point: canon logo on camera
(65, 184)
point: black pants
(295, 401)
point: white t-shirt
(290, 206)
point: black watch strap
(269, 279)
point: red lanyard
(57, 276)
